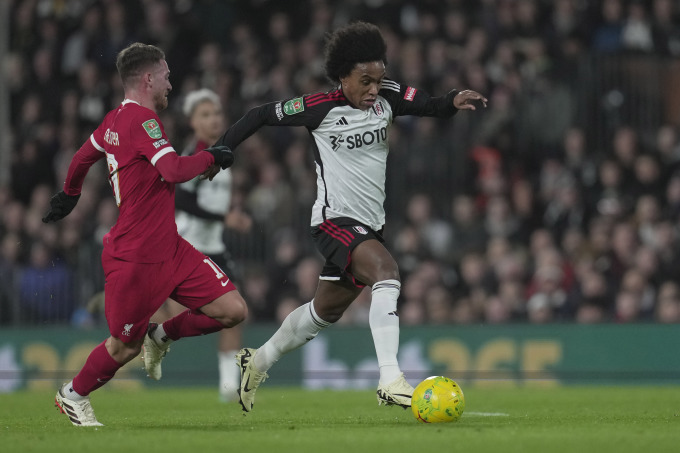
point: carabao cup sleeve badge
(293, 106)
(152, 128)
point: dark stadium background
(559, 204)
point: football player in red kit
(145, 260)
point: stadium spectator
(610, 197)
(668, 303)
(50, 38)
(434, 234)
(46, 293)
(607, 36)
(438, 305)
(10, 248)
(627, 307)
(468, 232)
(666, 146)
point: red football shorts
(134, 291)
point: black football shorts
(335, 239)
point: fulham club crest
(378, 108)
(360, 229)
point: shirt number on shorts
(218, 272)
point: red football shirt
(132, 139)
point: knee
(123, 352)
(389, 274)
(386, 268)
(388, 271)
(330, 313)
(235, 312)
(332, 316)
(132, 351)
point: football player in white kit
(349, 125)
(202, 208)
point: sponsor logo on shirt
(279, 111)
(410, 93)
(159, 143)
(152, 128)
(359, 140)
(294, 106)
(335, 141)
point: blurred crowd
(550, 205)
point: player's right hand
(61, 205)
(224, 157)
(210, 173)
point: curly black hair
(358, 42)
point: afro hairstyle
(358, 42)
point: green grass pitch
(191, 420)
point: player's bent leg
(189, 323)
(333, 297)
(300, 326)
(226, 311)
(101, 365)
(229, 309)
(155, 349)
(373, 264)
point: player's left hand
(61, 205)
(210, 173)
(465, 100)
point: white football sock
(160, 337)
(384, 322)
(299, 327)
(229, 373)
(71, 394)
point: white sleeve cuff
(161, 153)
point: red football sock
(99, 368)
(190, 323)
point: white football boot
(79, 412)
(152, 354)
(250, 378)
(396, 393)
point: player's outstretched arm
(62, 203)
(176, 169)
(270, 114)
